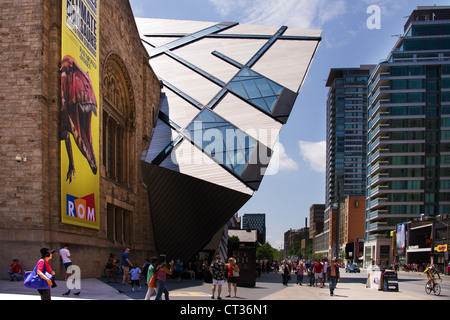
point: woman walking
(43, 268)
(151, 278)
(300, 272)
(285, 273)
(233, 274)
(161, 273)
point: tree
(265, 252)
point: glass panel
(415, 84)
(264, 87)
(244, 73)
(238, 88)
(276, 88)
(227, 144)
(239, 168)
(261, 103)
(251, 89)
(271, 101)
(446, 83)
(207, 116)
(398, 84)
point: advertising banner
(401, 239)
(79, 113)
(441, 248)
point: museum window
(117, 123)
(118, 224)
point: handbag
(235, 273)
(152, 283)
(33, 281)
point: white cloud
(285, 162)
(280, 161)
(293, 13)
(314, 154)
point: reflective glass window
(255, 88)
(221, 140)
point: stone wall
(30, 214)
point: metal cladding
(227, 90)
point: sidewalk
(268, 287)
(91, 289)
(343, 291)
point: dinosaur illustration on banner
(78, 105)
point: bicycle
(436, 287)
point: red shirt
(15, 268)
(318, 267)
(40, 266)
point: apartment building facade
(408, 172)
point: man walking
(126, 263)
(64, 253)
(333, 275)
(218, 271)
(318, 272)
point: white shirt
(65, 254)
(135, 273)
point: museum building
(146, 134)
(31, 142)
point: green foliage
(233, 240)
(265, 252)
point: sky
(353, 35)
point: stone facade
(30, 214)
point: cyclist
(431, 270)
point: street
(412, 283)
(352, 286)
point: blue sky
(286, 197)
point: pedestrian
(275, 266)
(285, 272)
(333, 275)
(145, 270)
(300, 270)
(318, 273)
(325, 268)
(135, 274)
(233, 275)
(311, 273)
(191, 270)
(15, 270)
(111, 268)
(126, 263)
(161, 278)
(64, 253)
(178, 269)
(151, 278)
(218, 271)
(43, 268)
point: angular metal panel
(187, 212)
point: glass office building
(346, 145)
(227, 90)
(346, 133)
(255, 221)
(408, 172)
